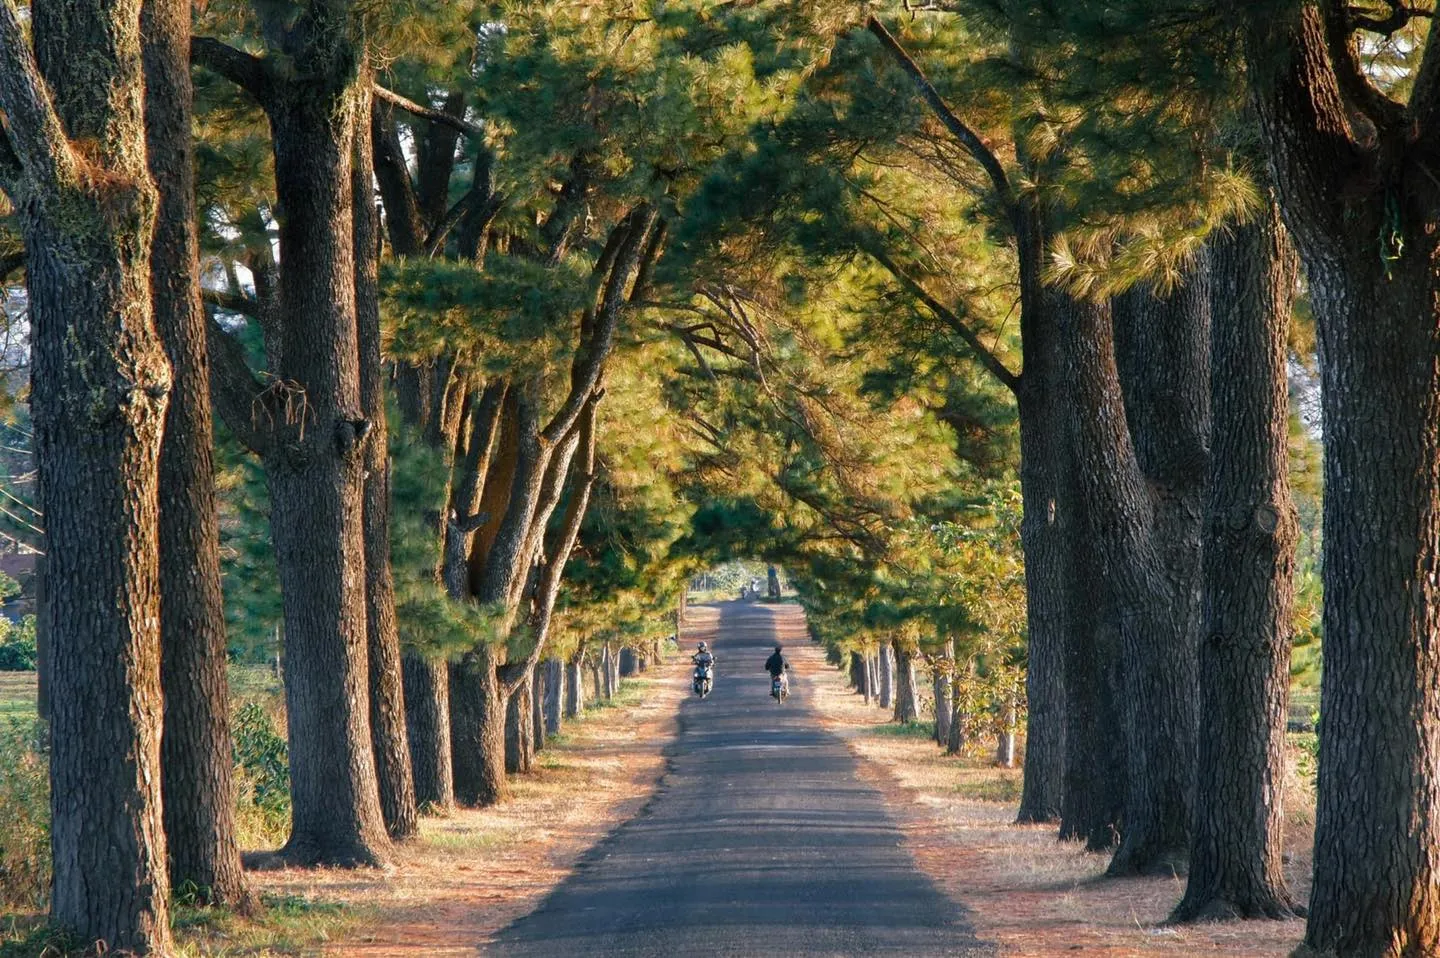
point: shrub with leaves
(17, 645)
(24, 817)
(262, 774)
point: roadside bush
(17, 645)
(24, 817)
(262, 778)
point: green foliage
(17, 645)
(262, 772)
(24, 816)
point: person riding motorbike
(704, 665)
(779, 668)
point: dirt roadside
(1025, 891)
(474, 872)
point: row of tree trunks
(1141, 437)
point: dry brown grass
(1025, 891)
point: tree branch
(456, 123)
(234, 389)
(583, 475)
(967, 137)
(231, 302)
(36, 137)
(595, 348)
(987, 358)
(245, 70)
(10, 263)
(1378, 108)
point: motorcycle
(779, 688)
(703, 680)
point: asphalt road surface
(761, 839)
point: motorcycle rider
(779, 668)
(704, 660)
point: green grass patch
(17, 695)
(995, 785)
(631, 693)
(904, 730)
(283, 925)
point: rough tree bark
(197, 766)
(520, 729)
(555, 696)
(1353, 170)
(100, 384)
(907, 699)
(390, 744)
(1141, 443)
(1045, 530)
(427, 724)
(1249, 590)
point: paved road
(760, 840)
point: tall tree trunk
(607, 671)
(427, 722)
(197, 766)
(315, 465)
(1249, 590)
(574, 686)
(1142, 431)
(872, 676)
(387, 696)
(555, 696)
(1095, 769)
(539, 691)
(1342, 185)
(477, 730)
(1044, 462)
(519, 729)
(99, 390)
(940, 676)
(955, 744)
(1005, 744)
(907, 705)
(887, 676)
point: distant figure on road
(774, 583)
(779, 668)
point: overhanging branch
(988, 359)
(456, 123)
(245, 70)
